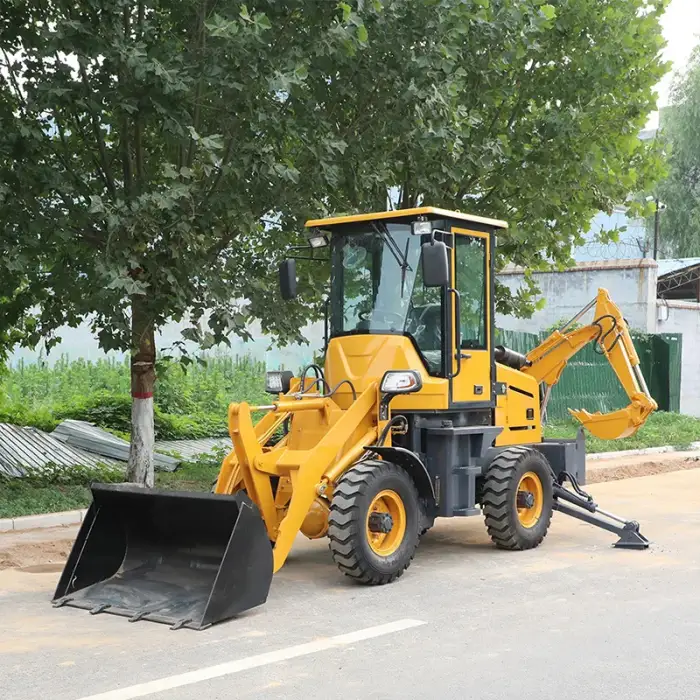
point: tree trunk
(143, 377)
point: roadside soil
(640, 465)
(36, 551)
(45, 551)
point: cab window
(470, 267)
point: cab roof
(403, 213)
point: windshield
(377, 287)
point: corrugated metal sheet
(24, 449)
(187, 449)
(89, 437)
(666, 267)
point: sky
(681, 29)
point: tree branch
(14, 81)
(200, 83)
(106, 170)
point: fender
(409, 462)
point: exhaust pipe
(178, 558)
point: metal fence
(589, 382)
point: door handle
(457, 334)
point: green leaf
(548, 11)
(362, 33)
(347, 11)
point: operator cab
(424, 274)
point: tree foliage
(680, 191)
(166, 152)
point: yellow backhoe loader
(416, 415)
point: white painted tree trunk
(143, 377)
(142, 441)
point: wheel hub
(529, 499)
(526, 499)
(386, 523)
(380, 522)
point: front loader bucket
(184, 559)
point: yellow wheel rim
(386, 543)
(530, 483)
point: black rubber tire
(498, 500)
(348, 513)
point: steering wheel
(382, 313)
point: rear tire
(382, 488)
(510, 526)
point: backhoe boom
(609, 330)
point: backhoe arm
(609, 330)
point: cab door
(471, 383)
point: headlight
(422, 228)
(278, 382)
(401, 382)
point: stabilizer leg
(587, 510)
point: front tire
(374, 522)
(517, 498)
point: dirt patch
(32, 554)
(614, 470)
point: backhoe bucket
(184, 559)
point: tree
(680, 191)
(157, 157)
(144, 146)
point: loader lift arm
(610, 332)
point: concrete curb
(75, 517)
(644, 451)
(35, 522)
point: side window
(470, 265)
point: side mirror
(435, 264)
(288, 279)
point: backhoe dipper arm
(609, 330)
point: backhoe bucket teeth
(184, 559)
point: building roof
(679, 279)
(667, 267)
(400, 213)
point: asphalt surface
(572, 619)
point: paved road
(572, 619)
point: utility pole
(657, 224)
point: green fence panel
(675, 352)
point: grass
(189, 403)
(26, 499)
(661, 429)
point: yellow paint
(363, 359)
(305, 468)
(230, 477)
(530, 482)
(476, 364)
(402, 213)
(609, 329)
(315, 523)
(386, 543)
(522, 393)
